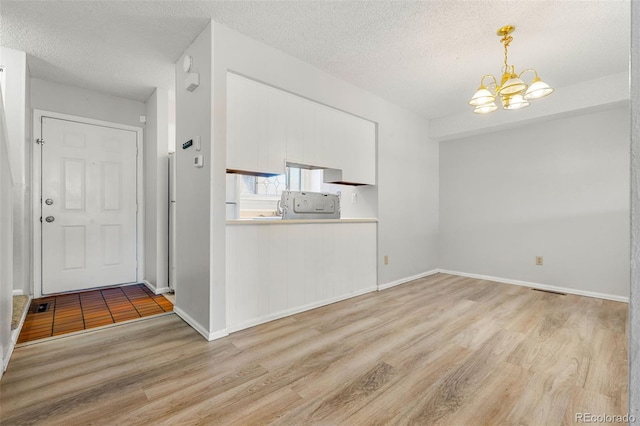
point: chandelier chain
(506, 40)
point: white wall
(406, 195)
(18, 129)
(156, 186)
(634, 308)
(6, 243)
(194, 214)
(408, 198)
(406, 158)
(24, 261)
(55, 97)
(15, 63)
(559, 190)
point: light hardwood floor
(441, 350)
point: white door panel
(89, 176)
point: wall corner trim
(198, 327)
(567, 290)
(407, 279)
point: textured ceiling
(427, 56)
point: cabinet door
(312, 142)
(331, 137)
(256, 126)
(361, 153)
(349, 160)
(276, 135)
(266, 126)
(295, 128)
(367, 136)
(349, 145)
(242, 123)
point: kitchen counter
(278, 221)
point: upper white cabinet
(300, 123)
(273, 142)
(331, 137)
(360, 158)
(256, 127)
(242, 123)
(267, 127)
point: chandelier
(513, 92)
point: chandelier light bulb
(538, 89)
(512, 86)
(485, 109)
(482, 97)
(514, 102)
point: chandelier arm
(494, 83)
(535, 73)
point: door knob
(50, 219)
(48, 201)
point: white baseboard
(288, 312)
(198, 327)
(568, 290)
(14, 335)
(18, 292)
(406, 280)
(159, 290)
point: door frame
(36, 175)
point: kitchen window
(258, 196)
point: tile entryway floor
(68, 313)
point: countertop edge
(297, 221)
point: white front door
(88, 205)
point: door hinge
(40, 219)
(40, 141)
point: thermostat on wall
(192, 81)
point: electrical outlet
(539, 260)
(386, 260)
